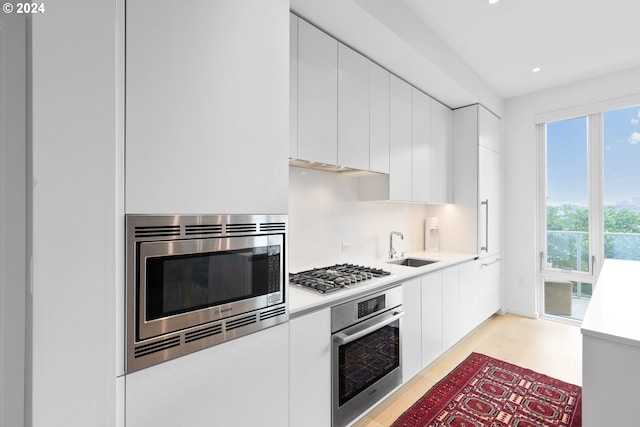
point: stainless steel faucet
(392, 251)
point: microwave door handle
(343, 338)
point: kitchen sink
(412, 262)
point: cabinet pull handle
(486, 227)
(486, 264)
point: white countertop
(302, 300)
(613, 312)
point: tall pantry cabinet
(477, 213)
(206, 130)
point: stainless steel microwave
(193, 281)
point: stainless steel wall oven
(194, 281)
(366, 353)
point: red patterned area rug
(486, 392)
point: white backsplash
(325, 212)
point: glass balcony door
(589, 204)
(567, 242)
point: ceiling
(570, 40)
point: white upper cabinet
(488, 129)
(209, 87)
(317, 95)
(349, 112)
(400, 130)
(420, 146)
(441, 153)
(378, 119)
(353, 109)
(293, 86)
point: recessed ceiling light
(493, 1)
(536, 70)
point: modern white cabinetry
(310, 369)
(243, 382)
(194, 101)
(490, 278)
(353, 109)
(450, 307)
(489, 194)
(317, 95)
(474, 225)
(411, 329)
(441, 153)
(440, 313)
(477, 181)
(431, 317)
(409, 178)
(339, 113)
(469, 290)
(421, 150)
(436, 316)
(400, 134)
(420, 146)
(480, 292)
(378, 119)
(293, 86)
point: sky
(567, 159)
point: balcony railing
(569, 250)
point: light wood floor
(547, 347)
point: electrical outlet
(346, 247)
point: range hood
(331, 168)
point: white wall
(520, 174)
(325, 211)
(77, 205)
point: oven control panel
(371, 306)
(363, 308)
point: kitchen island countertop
(613, 312)
(303, 301)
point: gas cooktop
(338, 276)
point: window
(621, 192)
(590, 203)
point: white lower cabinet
(411, 329)
(310, 370)
(440, 313)
(450, 307)
(243, 382)
(431, 317)
(480, 291)
(490, 277)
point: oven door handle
(343, 338)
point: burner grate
(336, 277)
